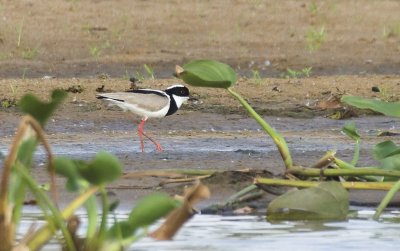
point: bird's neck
(175, 104)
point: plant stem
(103, 225)
(44, 201)
(360, 171)
(241, 193)
(92, 217)
(356, 153)
(20, 28)
(45, 233)
(304, 184)
(389, 196)
(276, 137)
(325, 160)
(344, 165)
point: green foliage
(159, 204)
(392, 30)
(94, 50)
(149, 71)
(388, 154)
(385, 149)
(386, 108)
(69, 169)
(19, 31)
(313, 8)
(208, 73)
(85, 178)
(7, 103)
(350, 130)
(40, 110)
(105, 168)
(30, 53)
(315, 38)
(305, 72)
(256, 77)
(328, 201)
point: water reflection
(209, 232)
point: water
(212, 232)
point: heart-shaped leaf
(146, 212)
(105, 168)
(327, 201)
(69, 168)
(388, 154)
(385, 149)
(387, 108)
(121, 231)
(40, 110)
(150, 209)
(207, 73)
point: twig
(183, 180)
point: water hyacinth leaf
(40, 110)
(68, 168)
(150, 209)
(388, 154)
(385, 149)
(391, 163)
(207, 73)
(105, 168)
(327, 201)
(121, 231)
(350, 130)
(386, 108)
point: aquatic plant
(85, 179)
(209, 73)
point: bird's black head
(178, 90)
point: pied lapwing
(149, 103)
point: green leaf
(391, 163)
(385, 149)
(388, 154)
(69, 168)
(121, 230)
(386, 108)
(350, 130)
(208, 73)
(146, 212)
(327, 201)
(40, 110)
(150, 209)
(105, 168)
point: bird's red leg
(158, 146)
(140, 132)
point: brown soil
(84, 38)
(88, 44)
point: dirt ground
(352, 46)
(70, 38)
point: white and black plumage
(149, 103)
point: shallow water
(208, 232)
